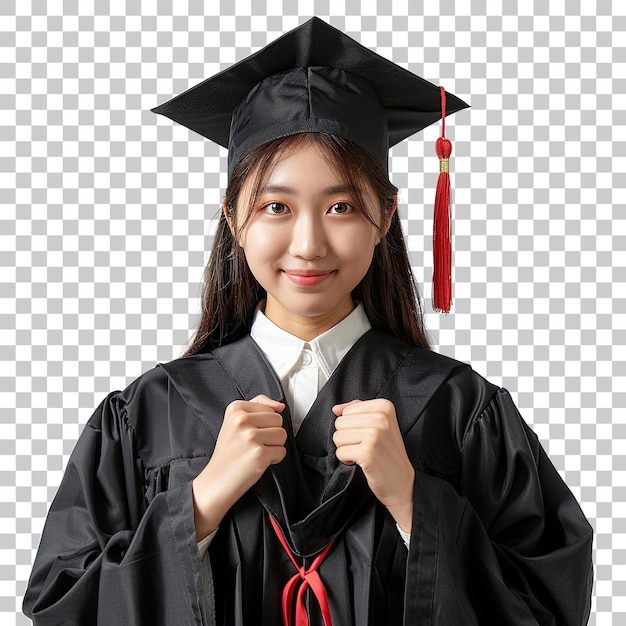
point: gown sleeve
(105, 556)
(504, 540)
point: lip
(307, 278)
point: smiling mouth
(305, 278)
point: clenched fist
(367, 433)
(251, 439)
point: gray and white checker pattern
(107, 211)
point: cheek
(255, 238)
(359, 245)
(261, 245)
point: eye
(341, 208)
(276, 208)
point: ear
(387, 219)
(229, 219)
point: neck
(306, 327)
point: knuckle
(235, 405)
(235, 413)
(371, 436)
(239, 420)
(382, 422)
(249, 435)
(378, 417)
(257, 452)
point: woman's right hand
(251, 439)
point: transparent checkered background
(106, 218)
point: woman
(309, 456)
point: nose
(308, 238)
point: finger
(348, 455)
(375, 405)
(357, 420)
(241, 414)
(252, 406)
(275, 405)
(338, 409)
(278, 453)
(266, 420)
(271, 436)
(351, 437)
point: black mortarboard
(312, 79)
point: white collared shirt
(304, 367)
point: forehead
(301, 164)
(310, 164)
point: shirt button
(307, 359)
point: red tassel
(442, 222)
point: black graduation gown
(497, 537)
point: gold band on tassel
(443, 165)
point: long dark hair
(388, 291)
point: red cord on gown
(305, 578)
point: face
(307, 241)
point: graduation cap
(317, 79)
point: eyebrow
(329, 191)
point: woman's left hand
(367, 433)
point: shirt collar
(283, 350)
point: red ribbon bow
(305, 578)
